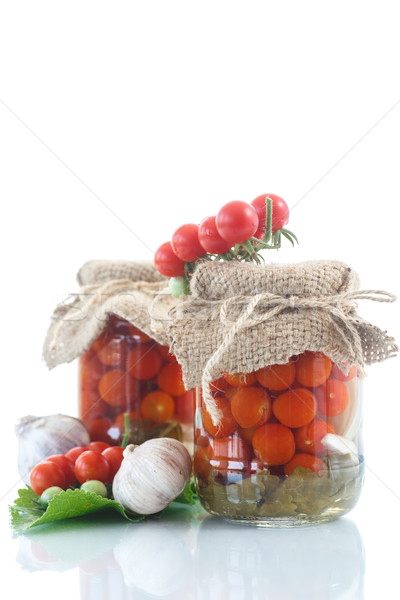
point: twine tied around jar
(97, 293)
(341, 307)
(122, 288)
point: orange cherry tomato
(158, 407)
(309, 438)
(247, 433)
(201, 437)
(218, 386)
(308, 461)
(337, 373)
(119, 422)
(111, 350)
(332, 398)
(144, 362)
(277, 377)
(313, 369)
(227, 424)
(117, 386)
(251, 406)
(170, 379)
(229, 454)
(201, 464)
(91, 370)
(240, 379)
(295, 408)
(274, 444)
(91, 406)
(184, 407)
(166, 354)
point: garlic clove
(40, 437)
(152, 475)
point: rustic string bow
(265, 306)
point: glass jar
(126, 371)
(287, 450)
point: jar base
(282, 523)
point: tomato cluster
(235, 223)
(127, 371)
(275, 418)
(96, 461)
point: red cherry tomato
(97, 446)
(167, 263)
(185, 243)
(102, 430)
(210, 239)
(280, 213)
(237, 221)
(75, 452)
(143, 362)
(92, 465)
(114, 458)
(170, 380)
(45, 475)
(184, 407)
(67, 465)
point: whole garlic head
(152, 475)
(40, 437)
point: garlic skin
(152, 475)
(40, 437)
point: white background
(121, 121)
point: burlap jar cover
(123, 288)
(242, 317)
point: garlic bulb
(152, 475)
(40, 437)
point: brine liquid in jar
(287, 450)
(126, 371)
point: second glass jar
(126, 371)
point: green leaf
(286, 232)
(287, 236)
(188, 495)
(26, 512)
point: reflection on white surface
(203, 558)
(246, 563)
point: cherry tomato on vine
(46, 474)
(237, 221)
(167, 263)
(210, 239)
(185, 243)
(280, 213)
(91, 465)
